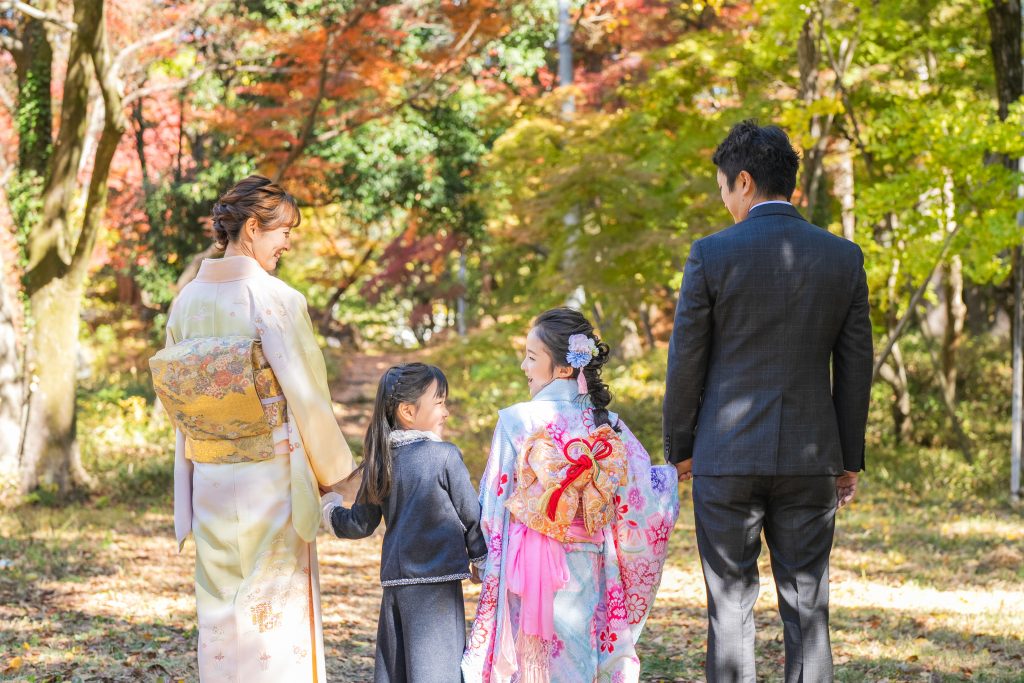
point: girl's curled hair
(554, 327)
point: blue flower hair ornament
(582, 350)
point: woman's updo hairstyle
(255, 197)
(554, 328)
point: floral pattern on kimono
(620, 576)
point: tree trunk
(808, 60)
(894, 374)
(34, 66)
(956, 315)
(59, 258)
(844, 185)
(50, 455)
(1004, 20)
(11, 388)
(953, 311)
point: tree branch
(11, 44)
(912, 306)
(307, 128)
(36, 13)
(170, 86)
(8, 101)
(114, 125)
(169, 32)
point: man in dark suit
(769, 374)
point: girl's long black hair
(554, 327)
(400, 384)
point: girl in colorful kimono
(256, 439)
(420, 486)
(577, 523)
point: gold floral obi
(222, 394)
(556, 484)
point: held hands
(328, 502)
(846, 487)
(474, 574)
(684, 469)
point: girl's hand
(474, 574)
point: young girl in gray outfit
(421, 487)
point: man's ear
(746, 182)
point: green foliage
(25, 193)
(483, 376)
(125, 438)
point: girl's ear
(563, 371)
(405, 414)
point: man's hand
(684, 469)
(846, 487)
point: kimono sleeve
(291, 349)
(182, 466)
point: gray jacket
(769, 367)
(432, 515)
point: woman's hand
(328, 502)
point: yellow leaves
(13, 664)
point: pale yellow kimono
(255, 523)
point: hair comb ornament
(582, 350)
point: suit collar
(773, 209)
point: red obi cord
(593, 451)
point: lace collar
(401, 437)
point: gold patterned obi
(557, 484)
(222, 394)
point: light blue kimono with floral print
(599, 614)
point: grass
(920, 591)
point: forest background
(462, 166)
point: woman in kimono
(252, 502)
(577, 522)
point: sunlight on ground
(103, 593)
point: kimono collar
(401, 437)
(563, 390)
(229, 268)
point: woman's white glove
(328, 502)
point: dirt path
(355, 387)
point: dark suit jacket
(765, 308)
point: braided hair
(553, 328)
(400, 384)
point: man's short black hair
(764, 152)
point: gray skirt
(421, 634)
